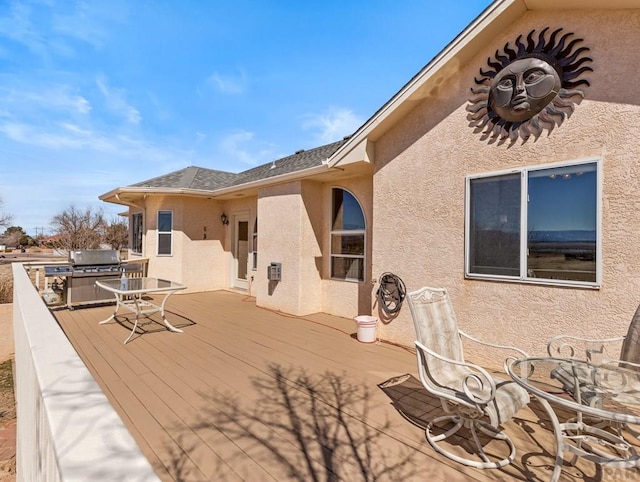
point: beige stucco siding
(286, 235)
(203, 252)
(195, 261)
(419, 192)
(294, 225)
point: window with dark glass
(254, 246)
(347, 237)
(165, 232)
(535, 224)
(136, 233)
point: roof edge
(486, 17)
(500, 10)
(290, 176)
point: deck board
(246, 393)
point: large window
(136, 233)
(347, 237)
(165, 232)
(536, 224)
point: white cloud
(229, 84)
(82, 105)
(241, 146)
(22, 102)
(116, 102)
(28, 23)
(161, 111)
(233, 145)
(18, 27)
(333, 125)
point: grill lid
(84, 257)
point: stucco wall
(195, 261)
(203, 254)
(293, 229)
(286, 235)
(419, 189)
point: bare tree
(78, 229)
(117, 234)
(5, 219)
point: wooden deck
(249, 394)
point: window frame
(523, 276)
(347, 232)
(254, 246)
(165, 233)
(134, 241)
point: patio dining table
(598, 392)
(129, 294)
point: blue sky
(99, 94)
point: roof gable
(497, 17)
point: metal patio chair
(472, 398)
(620, 350)
(624, 350)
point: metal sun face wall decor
(529, 88)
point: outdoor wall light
(224, 219)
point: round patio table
(594, 392)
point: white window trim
(164, 232)
(362, 232)
(523, 278)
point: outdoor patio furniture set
(603, 393)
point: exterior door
(241, 252)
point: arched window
(347, 237)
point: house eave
(431, 79)
(127, 195)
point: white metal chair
(601, 350)
(597, 351)
(471, 397)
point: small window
(347, 237)
(536, 224)
(136, 233)
(165, 232)
(254, 246)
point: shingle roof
(191, 178)
(201, 178)
(296, 162)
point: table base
(585, 441)
(138, 306)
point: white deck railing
(67, 429)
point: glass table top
(606, 387)
(145, 285)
